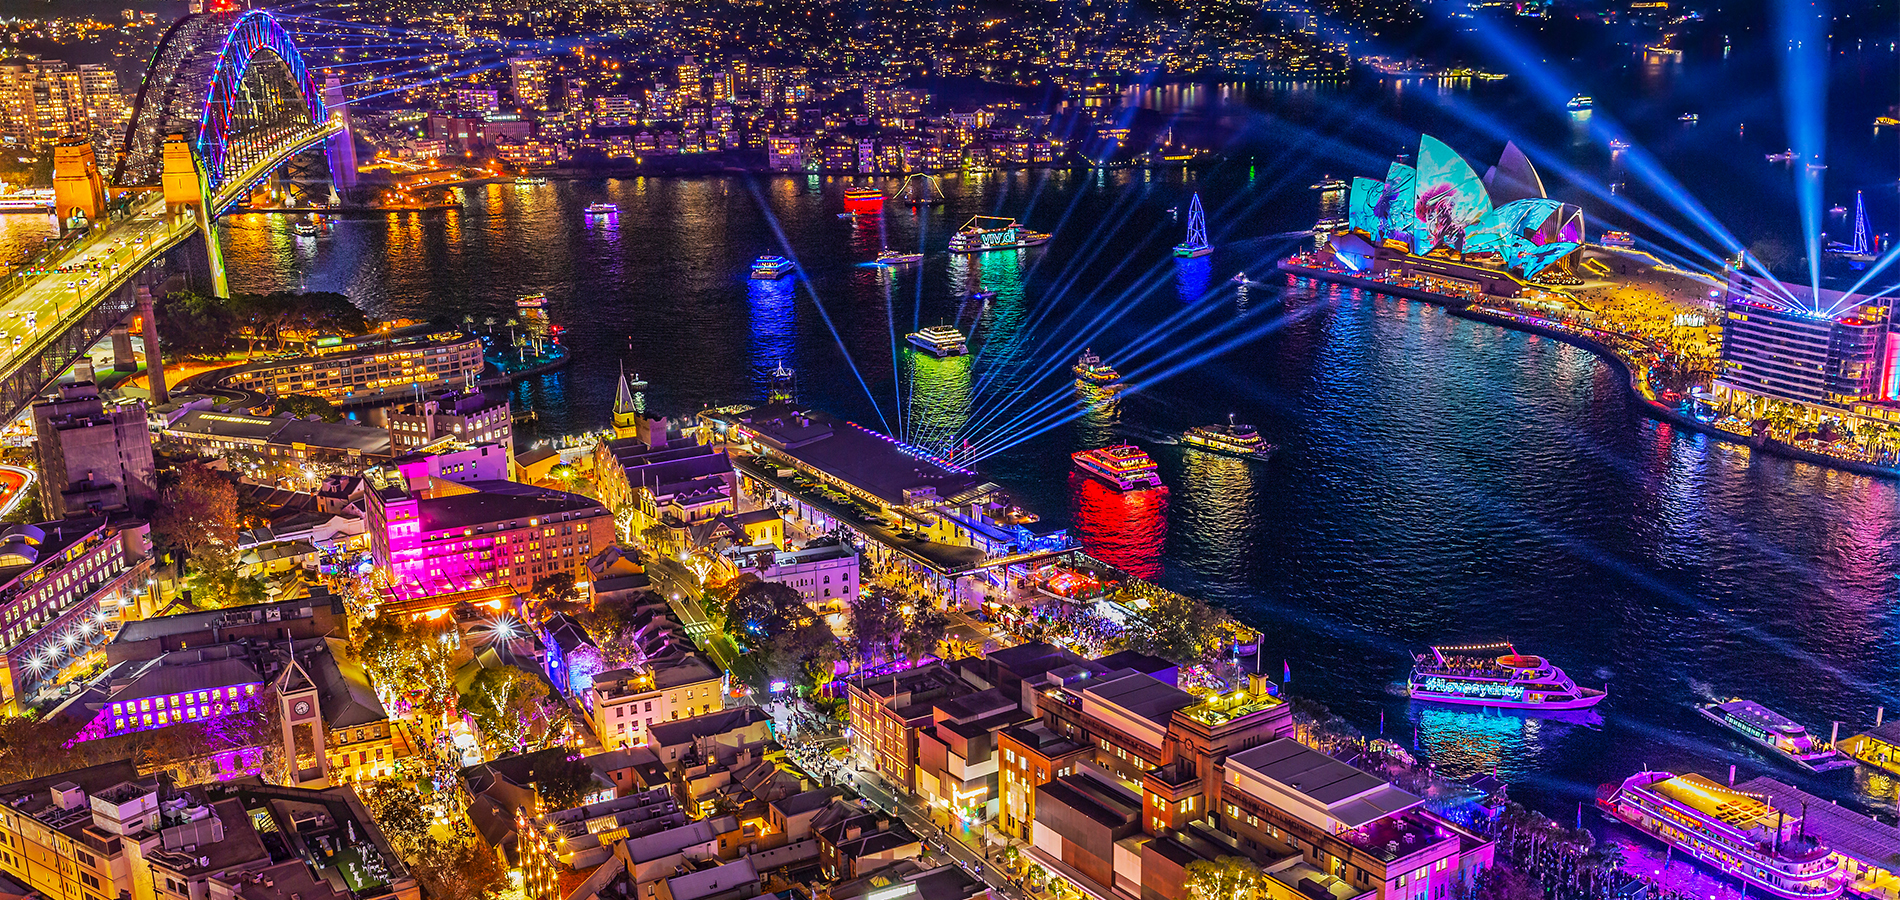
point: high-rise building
(93, 457)
(44, 101)
(529, 77)
(1788, 342)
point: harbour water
(1439, 480)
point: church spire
(623, 399)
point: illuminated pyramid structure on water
(1441, 208)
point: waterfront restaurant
(911, 510)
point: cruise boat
(1775, 732)
(28, 200)
(1617, 239)
(1090, 369)
(1619, 144)
(531, 179)
(1496, 675)
(1690, 118)
(894, 258)
(1231, 439)
(771, 268)
(863, 201)
(939, 341)
(602, 208)
(1738, 834)
(983, 233)
(1580, 101)
(1123, 465)
(305, 228)
(1786, 156)
(531, 301)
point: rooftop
(1349, 796)
(876, 464)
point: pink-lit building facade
(452, 522)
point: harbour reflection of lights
(1465, 742)
(1126, 529)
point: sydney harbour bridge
(226, 103)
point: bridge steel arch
(210, 74)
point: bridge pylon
(188, 192)
(78, 188)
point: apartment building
(365, 368)
(437, 535)
(1031, 755)
(625, 703)
(63, 586)
(93, 458)
(958, 762)
(888, 712)
(43, 101)
(104, 832)
(471, 418)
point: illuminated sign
(243, 420)
(1475, 688)
(329, 341)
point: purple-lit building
(62, 586)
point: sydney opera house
(1438, 217)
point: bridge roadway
(40, 312)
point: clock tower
(307, 762)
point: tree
(559, 591)
(1226, 878)
(398, 811)
(562, 781)
(198, 513)
(460, 869)
(763, 610)
(302, 405)
(658, 538)
(877, 619)
(926, 629)
(1176, 628)
(514, 710)
(1503, 882)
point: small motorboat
(982, 295)
(1240, 278)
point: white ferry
(1496, 675)
(1738, 834)
(1775, 732)
(892, 258)
(984, 233)
(1123, 465)
(939, 341)
(1231, 439)
(602, 208)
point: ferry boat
(894, 258)
(1496, 675)
(28, 200)
(1786, 156)
(1090, 369)
(939, 341)
(531, 179)
(1580, 101)
(602, 208)
(305, 228)
(531, 301)
(1617, 239)
(1775, 732)
(1123, 465)
(1690, 118)
(1738, 834)
(771, 268)
(983, 233)
(864, 201)
(1231, 439)
(1619, 144)
(1329, 183)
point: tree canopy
(196, 325)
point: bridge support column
(78, 188)
(122, 358)
(154, 364)
(188, 191)
(341, 147)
